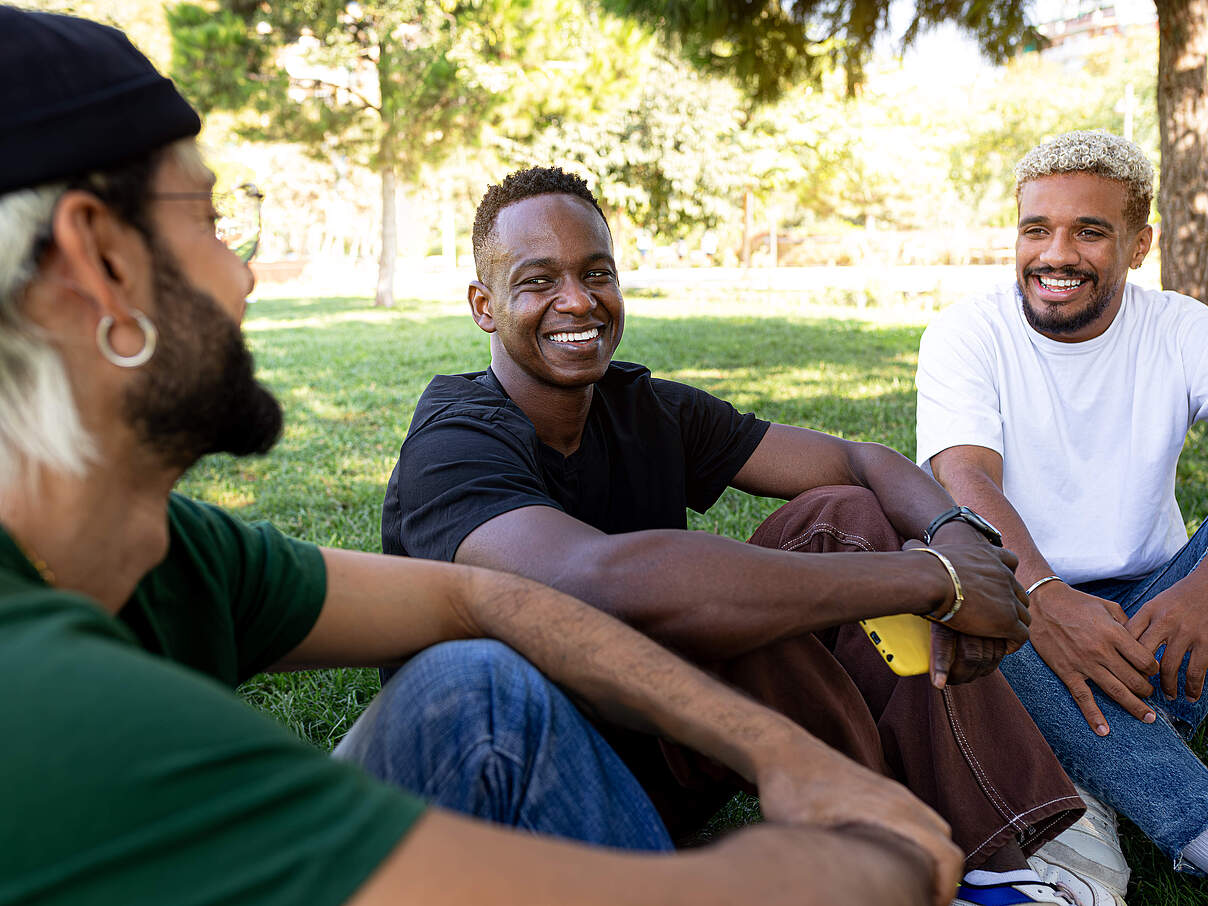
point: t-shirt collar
(1086, 346)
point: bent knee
(832, 518)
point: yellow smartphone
(904, 641)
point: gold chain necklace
(47, 574)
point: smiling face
(553, 304)
(1072, 253)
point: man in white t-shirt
(1057, 406)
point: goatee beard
(1059, 322)
(198, 394)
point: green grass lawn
(349, 376)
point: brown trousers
(970, 751)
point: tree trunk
(1183, 121)
(748, 215)
(385, 284)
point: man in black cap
(131, 772)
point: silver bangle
(958, 593)
(1039, 582)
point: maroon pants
(970, 751)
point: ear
(100, 258)
(1141, 247)
(481, 303)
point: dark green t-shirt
(128, 778)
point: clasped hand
(992, 622)
(1084, 638)
(823, 787)
(1175, 618)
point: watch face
(992, 534)
(967, 516)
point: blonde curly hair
(1101, 153)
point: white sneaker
(1090, 848)
(1083, 891)
(1017, 893)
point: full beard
(1057, 321)
(198, 394)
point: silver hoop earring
(150, 335)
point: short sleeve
(1193, 350)
(718, 440)
(455, 473)
(958, 400)
(131, 779)
(231, 598)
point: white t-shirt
(1090, 433)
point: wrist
(953, 597)
(931, 587)
(786, 748)
(957, 532)
(1040, 583)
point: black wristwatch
(967, 516)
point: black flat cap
(76, 96)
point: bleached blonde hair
(40, 425)
(39, 422)
(1100, 153)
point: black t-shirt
(650, 448)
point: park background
(785, 227)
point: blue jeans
(1145, 771)
(473, 727)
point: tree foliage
(770, 45)
(1008, 121)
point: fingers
(1008, 558)
(1124, 697)
(975, 657)
(1140, 652)
(943, 653)
(1139, 622)
(1196, 670)
(1022, 613)
(1081, 694)
(1115, 611)
(942, 859)
(1172, 659)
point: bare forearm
(978, 490)
(715, 597)
(792, 460)
(628, 678)
(449, 860)
(909, 497)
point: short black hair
(516, 187)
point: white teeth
(1059, 283)
(572, 337)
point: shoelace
(1099, 817)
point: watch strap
(967, 516)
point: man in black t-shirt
(561, 465)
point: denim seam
(987, 787)
(834, 531)
(1019, 820)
